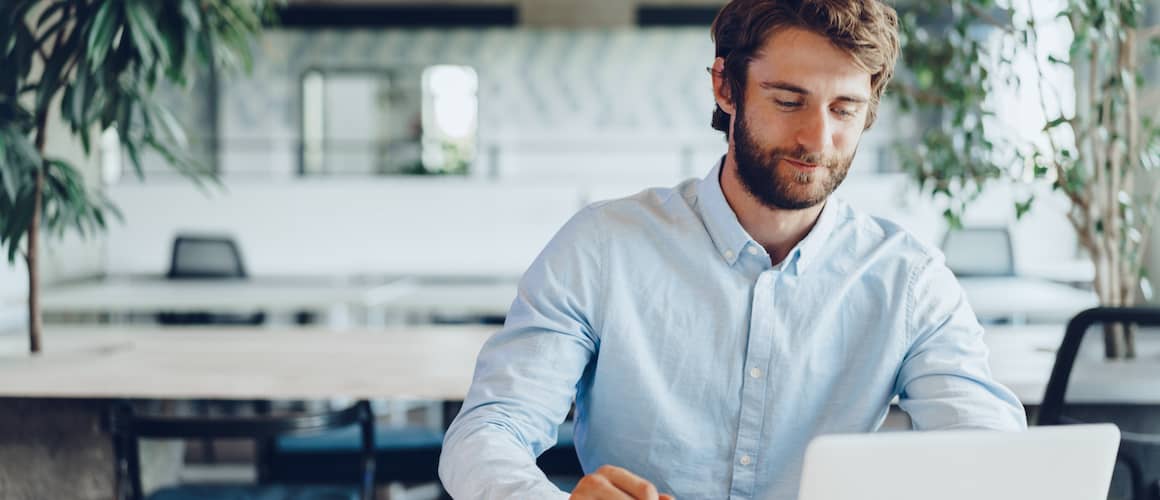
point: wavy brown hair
(865, 29)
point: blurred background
(394, 164)
(378, 139)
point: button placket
(754, 386)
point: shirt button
(752, 250)
(755, 372)
(729, 254)
(745, 460)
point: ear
(721, 91)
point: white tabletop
(421, 363)
(1025, 297)
(1022, 358)
(153, 295)
(991, 298)
(451, 298)
(1065, 271)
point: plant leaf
(101, 32)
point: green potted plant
(1102, 155)
(96, 63)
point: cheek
(769, 129)
(846, 141)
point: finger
(597, 487)
(628, 482)
(666, 496)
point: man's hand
(614, 483)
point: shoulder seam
(911, 299)
(602, 272)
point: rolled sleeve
(945, 380)
(526, 374)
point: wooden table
(422, 362)
(52, 427)
(426, 362)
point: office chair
(128, 428)
(207, 258)
(979, 252)
(1136, 449)
(408, 455)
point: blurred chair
(1139, 451)
(212, 257)
(128, 428)
(207, 258)
(408, 455)
(979, 252)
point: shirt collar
(810, 247)
(720, 220)
(730, 237)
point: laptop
(1067, 462)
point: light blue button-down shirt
(699, 365)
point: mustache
(800, 154)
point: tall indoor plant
(101, 60)
(1102, 154)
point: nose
(813, 132)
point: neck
(777, 230)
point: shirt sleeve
(945, 380)
(526, 374)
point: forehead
(808, 60)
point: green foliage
(947, 82)
(1103, 156)
(1090, 156)
(103, 59)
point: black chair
(1136, 448)
(408, 455)
(207, 258)
(128, 428)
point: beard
(781, 186)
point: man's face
(796, 129)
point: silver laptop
(1069, 462)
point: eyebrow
(789, 87)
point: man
(708, 332)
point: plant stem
(987, 18)
(32, 259)
(35, 321)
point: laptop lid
(1069, 462)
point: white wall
(432, 226)
(343, 227)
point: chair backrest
(205, 257)
(1051, 409)
(979, 251)
(128, 428)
